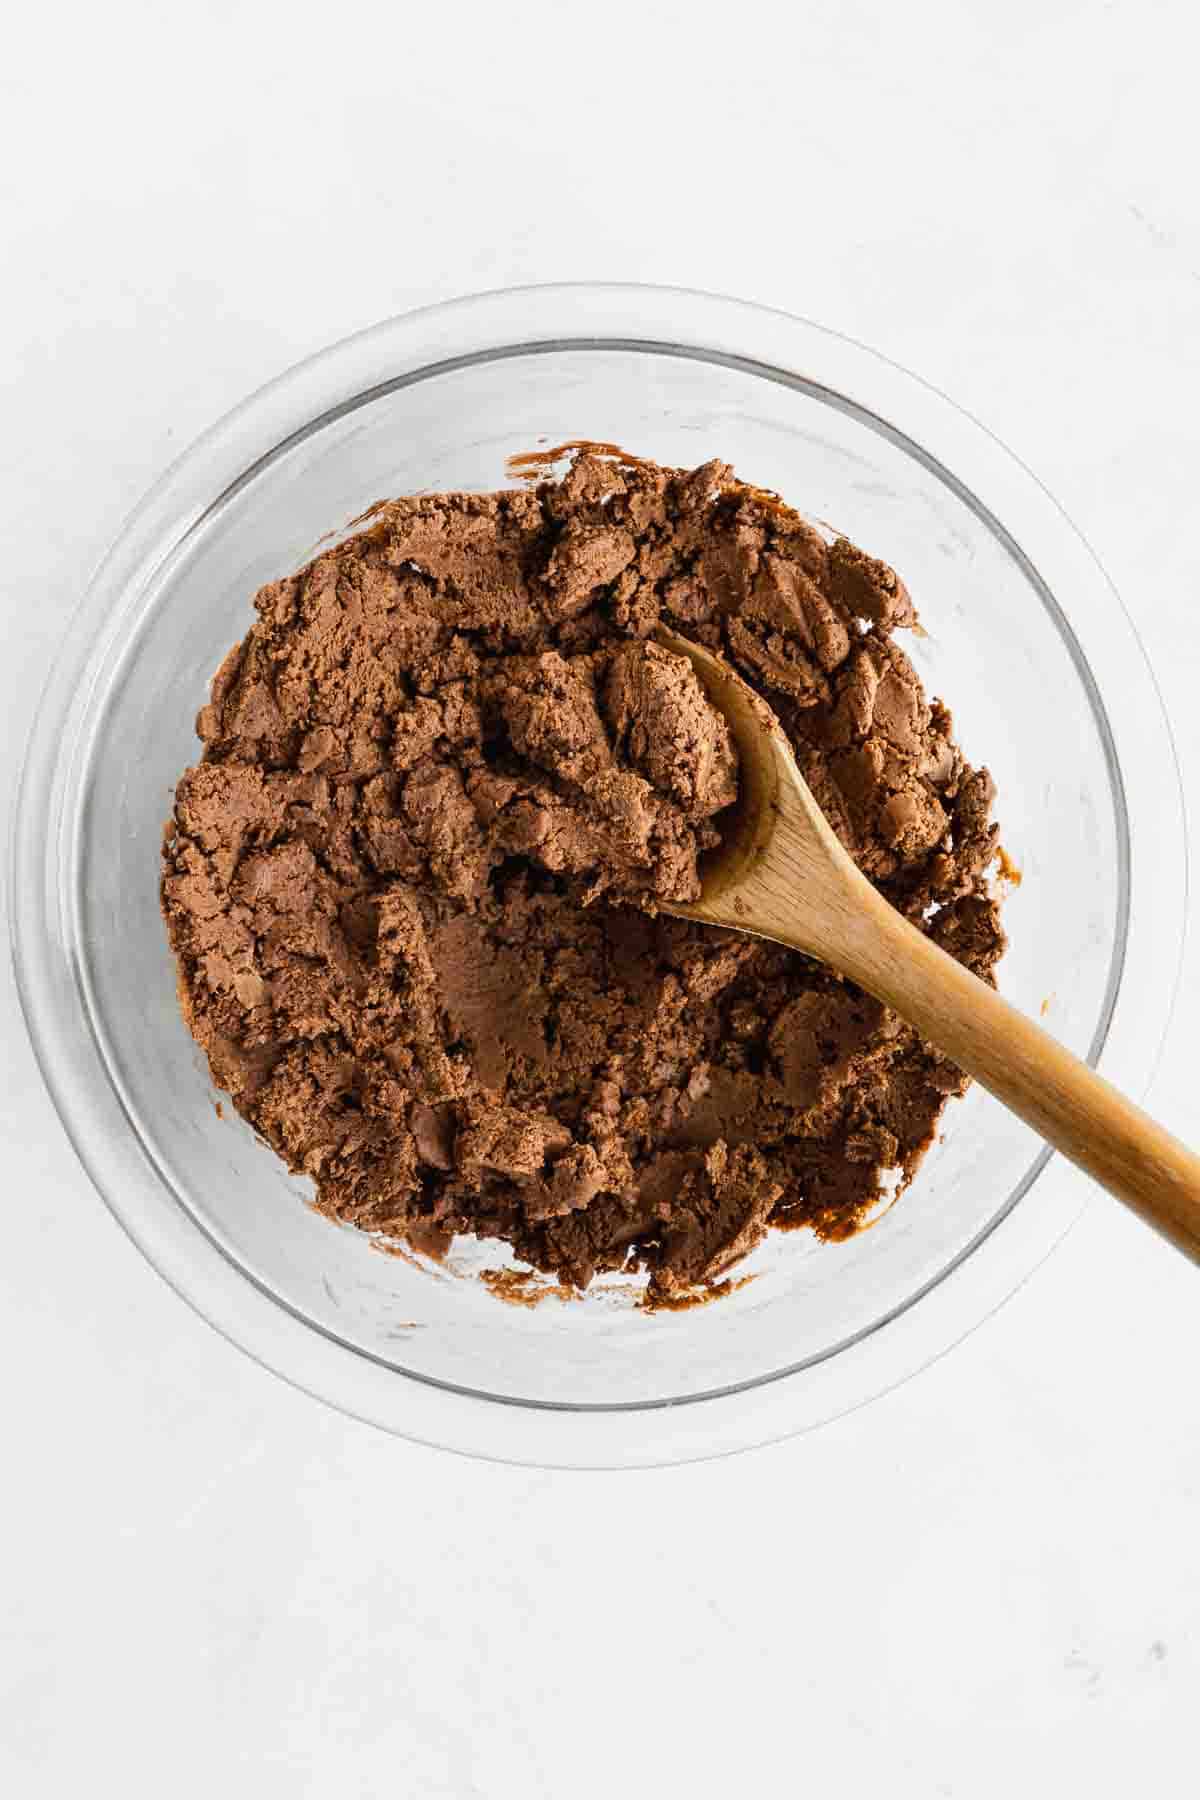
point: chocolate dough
(412, 885)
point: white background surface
(986, 1581)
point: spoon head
(763, 754)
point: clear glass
(1026, 641)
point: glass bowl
(1026, 641)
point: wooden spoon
(781, 873)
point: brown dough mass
(411, 885)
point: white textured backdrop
(987, 1581)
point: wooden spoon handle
(1064, 1100)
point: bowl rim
(51, 981)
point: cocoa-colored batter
(412, 885)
